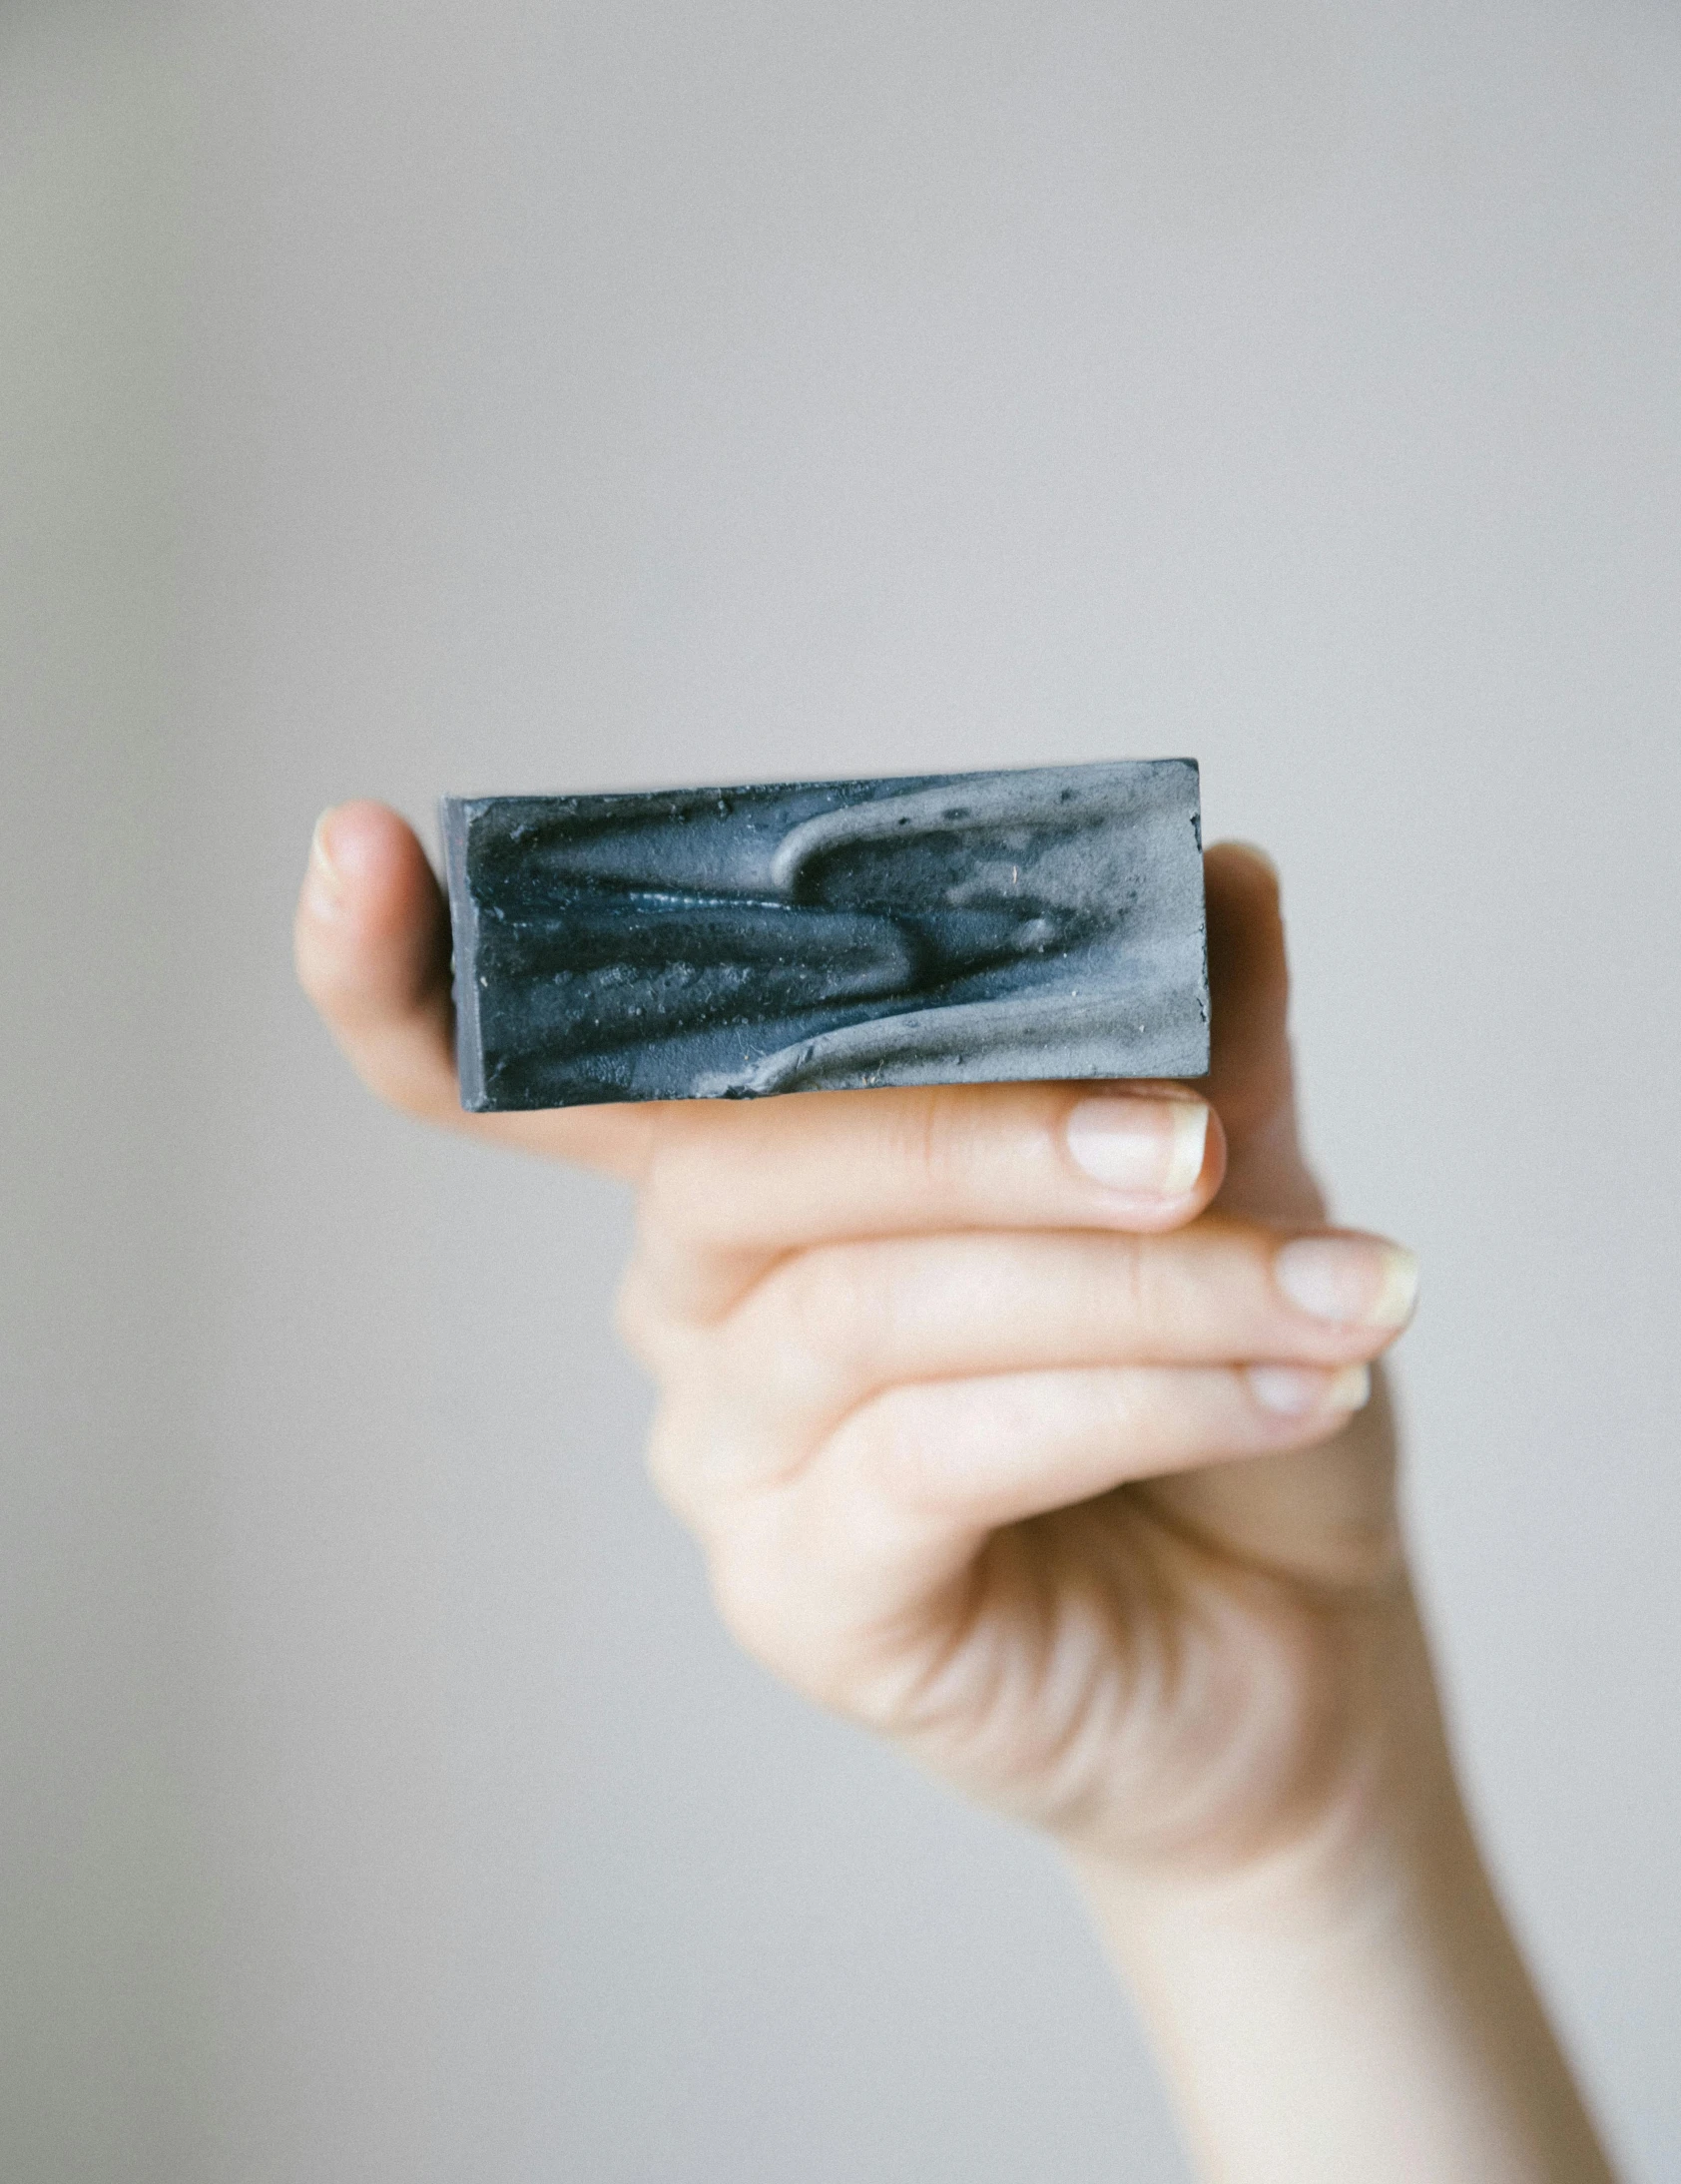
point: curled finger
(988, 1451)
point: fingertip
(1248, 967)
(1241, 883)
(366, 863)
(1156, 1150)
(1215, 1156)
(1203, 1152)
(1324, 1394)
(1348, 1279)
(1250, 853)
(371, 927)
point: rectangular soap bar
(720, 943)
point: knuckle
(737, 1584)
(681, 1189)
(1138, 1287)
(673, 1462)
(764, 1588)
(820, 1324)
(752, 1600)
(1172, 1300)
(942, 1127)
(638, 1319)
(882, 1444)
(715, 1439)
(683, 1230)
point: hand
(1020, 1422)
(1024, 1422)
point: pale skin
(1029, 1425)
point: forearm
(1354, 2008)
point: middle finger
(828, 1327)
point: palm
(1148, 1671)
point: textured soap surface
(704, 943)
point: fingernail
(1301, 1392)
(325, 881)
(1152, 1147)
(1355, 1281)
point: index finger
(729, 1190)
(730, 1186)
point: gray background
(526, 395)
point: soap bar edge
(458, 814)
(454, 824)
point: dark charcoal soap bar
(706, 943)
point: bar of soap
(722, 943)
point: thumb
(1251, 1083)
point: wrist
(1296, 1786)
(1351, 2000)
(1387, 1829)
(1384, 1878)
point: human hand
(1027, 1425)
(1021, 1422)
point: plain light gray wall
(395, 400)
